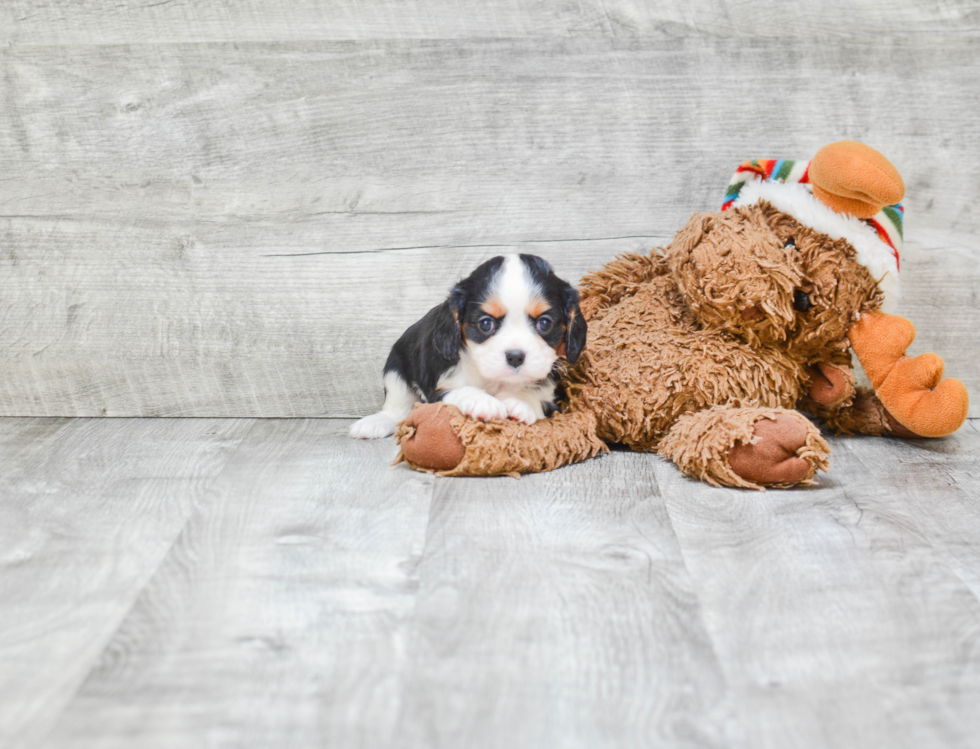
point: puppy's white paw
(476, 403)
(519, 410)
(372, 427)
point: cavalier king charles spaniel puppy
(491, 349)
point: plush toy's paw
(519, 411)
(428, 440)
(747, 447)
(476, 403)
(830, 385)
(780, 452)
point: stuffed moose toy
(708, 351)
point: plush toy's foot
(437, 437)
(866, 414)
(428, 440)
(747, 447)
(770, 456)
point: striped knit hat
(786, 185)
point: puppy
(491, 349)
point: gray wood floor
(185, 583)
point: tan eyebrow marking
(537, 307)
(494, 307)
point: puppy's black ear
(577, 327)
(448, 334)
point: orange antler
(913, 390)
(853, 178)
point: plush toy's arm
(440, 439)
(616, 280)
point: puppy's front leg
(476, 403)
(519, 410)
(525, 407)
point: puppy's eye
(486, 324)
(801, 301)
(790, 243)
(543, 324)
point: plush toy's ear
(682, 245)
(577, 327)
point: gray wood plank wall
(213, 209)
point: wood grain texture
(552, 135)
(95, 21)
(219, 229)
(310, 595)
(88, 510)
(557, 611)
(280, 616)
(942, 502)
(845, 615)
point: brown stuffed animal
(703, 353)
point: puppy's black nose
(514, 357)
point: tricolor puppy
(490, 349)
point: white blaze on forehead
(514, 289)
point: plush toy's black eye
(790, 243)
(487, 324)
(543, 324)
(801, 301)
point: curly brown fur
(839, 288)
(620, 278)
(736, 275)
(671, 367)
(503, 448)
(699, 443)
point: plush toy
(704, 351)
